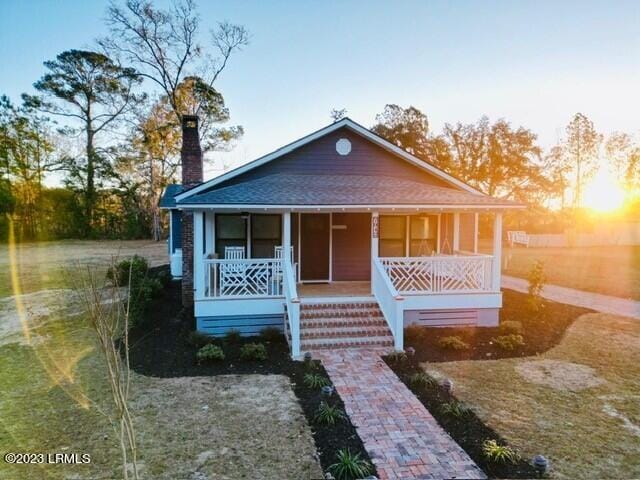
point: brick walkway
(402, 438)
(580, 298)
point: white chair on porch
(233, 274)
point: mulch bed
(468, 430)
(165, 347)
(541, 331)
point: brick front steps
(331, 326)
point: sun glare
(604, 193)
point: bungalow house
(340, 238)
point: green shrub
(198, 339)
(413, 334)
(271, 334)
(397, 357)
(510, 326)
(498, 453)
(315, 380)
(421, 380)
(328, 415)
(536, 278)
(310, 365)
(453, 343)
(135, 266)
(253, 352)
(508, 342)
(350, 466)
(210, 353)
(232, 336)
(455, 408)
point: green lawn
(609, 270)
(54, 395)
(578, 404)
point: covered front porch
(263, 263)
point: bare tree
(163, 45)
(108, 310)
(582, 145)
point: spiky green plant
(350, 466)
(315, 380)
(328, 415)
(455, 408)
(421, 380)
(499, 453)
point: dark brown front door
(314, 246)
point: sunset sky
(533, 63)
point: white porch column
(475, 232)
(209, 232)
(375, 240)
(456, 231)
(497, 250)
(198, 254)
(286, 233)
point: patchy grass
(54, 394)
(577, 403)
(611, 270)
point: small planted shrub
(271, 334)
(232, 336)
(315, 380)
(536, 278)
(455, 408)
(136, 267)
(414, 333)
(498, 453)
(508, 342)
(397, 357)
(350, 466)
(310, 365)
(421, 380)
(210, 353)
(198, 339)
(253, 352)
(328, 415)
(510, 326)
(453, 343)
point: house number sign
(374, 227)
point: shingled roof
(168, 197)
(297, 189)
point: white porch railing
(439, 274)
(292, 303)
(390, 302)
(243, 278)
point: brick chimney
(191, 159)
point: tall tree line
(114, 146)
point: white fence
(439, 274)
(390, 302)
(242, 278)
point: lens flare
(604, 194)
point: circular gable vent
(343, 146)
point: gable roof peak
(343, 122)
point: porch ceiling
(340, 190)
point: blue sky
(533, 63)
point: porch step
(352, 342)
(343, 332)
(340, 325)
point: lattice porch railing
(439, 274)
(241, 278)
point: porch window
(393, 230)
(423, 236)
(266, 234)
(231, 231)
